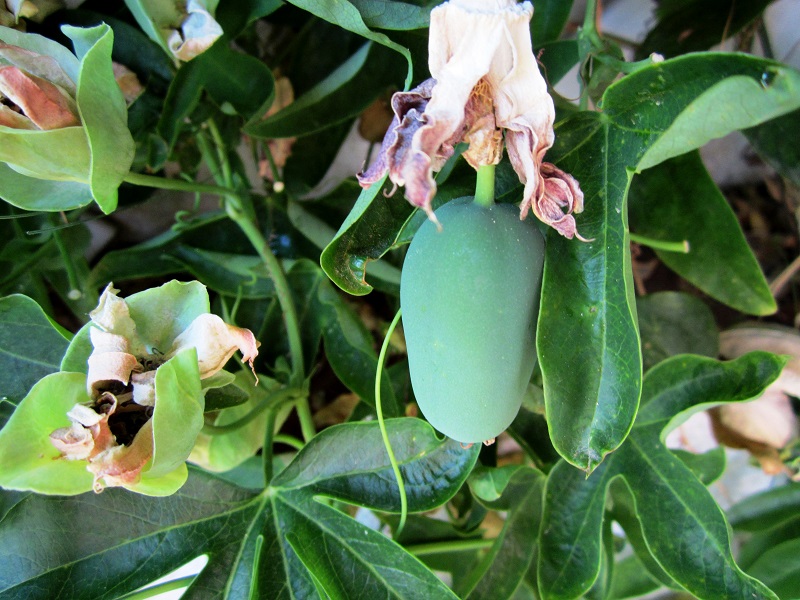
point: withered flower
(485, 89)
(115, 433)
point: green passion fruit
(470, 298)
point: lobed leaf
(432, 469)
(592, 390)
(692, 545)
(678, 200)
(31, 347)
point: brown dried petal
(44, 103)
(13, 119)
(128, 82)
(74, 442)
(557, 197)
(39, 65)
(110, 362)
(215, 342)
(144, 388)
(122, 465)
(408, 108)
(198, 32)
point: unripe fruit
(470, 298)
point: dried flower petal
(197, 33)
(215, 342)
(122, 465)
(44, 103)
(110, 362)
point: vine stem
(457, 546)
(178, 185)
(271, 402)
(484, 186)
(236, 211)
(681, 246)
(401, 488)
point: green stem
(456, 546)
(237, 211)
(484, 186)
(306, 418)
(178, 185)
(272, 401)
(153, 590)
(221, 152)
(69, 264)
(384, 434)
(289, 440)
(681, 247)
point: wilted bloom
(114, 433)
(12, 11)
(485, 89)
(197, 31)
(38, 93)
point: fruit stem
(484, 186)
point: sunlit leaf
(661, 111)
(692, 546)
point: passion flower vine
(486, 90)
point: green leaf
(30, 346)
(557, 58)
(146, 538)
(29, 459)
(678, 200)
(779, 568)
(693, 545)
(673, 323)
(658, 112)
(306, 542)
(367, 233)
(341, 96)
(103, 113)
(692, 25)
(394, 15)
(347, 16)
(236, 275)
(747, 91)
(433, 470)
(229, 76)
(501, 570)
(768, 509)
(631, 579)
(350, 350)
(31, 193)
(549, 18)
(769, 140)
(226, 451)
